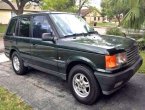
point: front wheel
(17, 64)
(83, 85)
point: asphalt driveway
(1, 44)
(46, 92)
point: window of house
(40, 26)
(24, 27)
(98, 18)
(12, 26)
(94, 18)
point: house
(92, 16)
(6, 12)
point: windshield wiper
(81, 34)
(93, 32)
(76, 34)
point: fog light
(118, 84)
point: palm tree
(135, 17)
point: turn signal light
(111, 61)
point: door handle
(34, 45)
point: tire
(92, 86)
(17, 64)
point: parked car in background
(63, 44)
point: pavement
(3, 58)
(1, 45)
(46, 92)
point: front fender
(81, 59)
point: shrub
(141, 44)
(114, 31)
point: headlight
(121, 58)
(114, 61)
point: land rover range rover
(63, 44)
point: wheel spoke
(84, 92)
(81, 77)
(79, 89)
(86, 84)
(77, 80)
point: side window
(12, 26)
(40, 26)
(24, 27)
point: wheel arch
(79, 61)
(13, 49)
(11, 52)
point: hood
(100, 44)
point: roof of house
(5, 6)
(86, 11)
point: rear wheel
(84, 85)
(17, 64)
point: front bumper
(110, 83)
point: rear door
(23, 38)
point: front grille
(132, 55)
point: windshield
(71, 24)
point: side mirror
(47, 37)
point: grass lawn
(9, 101)
(108, 24)
(2, 28)
(142, 68)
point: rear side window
(12, 26)
(24, 27)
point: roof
(5, 6)
(42, 12)
(84, 12)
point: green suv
(63, 44)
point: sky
(96, 3)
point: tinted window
(11, 28)
(40, 26)
(24, 27)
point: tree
(81, 3)
(65, 5)
(110, 9)
(58, 5)
(20, 5)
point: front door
(44, 53)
